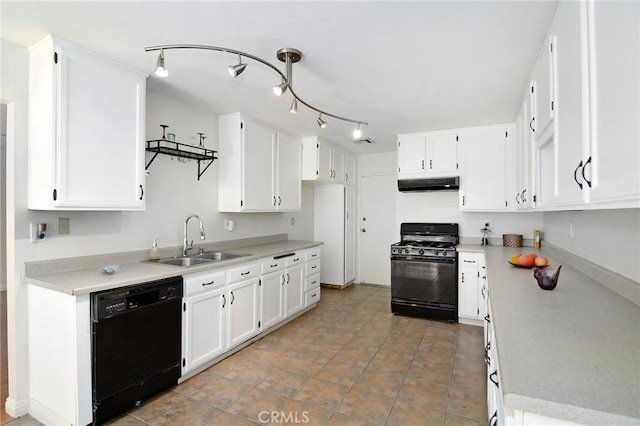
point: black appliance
(424, 271)
(429, 184)
(135, 344)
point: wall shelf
(181, 150)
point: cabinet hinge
(184, 307)
(55, 194)
(456, 165)
(55, 57)
(551, 105)
(242, 125)
(463, 200)
(534, 198)
(318, 145)
(551, 47)
(259, 282)
(456, 138)
(259, 324)
(184, 362)
(532, 91)
(241, 203)
(506, 134)
(478, 311)
(506, 203)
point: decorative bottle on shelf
(154, 253)
(536, 239)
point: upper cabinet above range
(260, 166)
(433, 154)
(86, 130)
(325, 162)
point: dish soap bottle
(154, 253)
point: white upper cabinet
(260, 167)
(430, 154)
(483, 182)
(586, 111)
(86, 130)
(324, 162)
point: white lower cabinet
(294, 289)
(243, 315)
(472, 287)
(272, 291)
(203, 318)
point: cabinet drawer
(312, 297)
(312, 267)
(243, 272)
(271, 265)
(312, 254)
(297, 259)
(470, 259)
(199, 282)
(312, 282)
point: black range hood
(429, 184)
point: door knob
(363, 230)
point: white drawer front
(297, 259)
(243, 272)
(271, 265)
(312, 297)
(312, 282)
(312, 267)
(203, 281)
(312, 254)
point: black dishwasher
(135, 344)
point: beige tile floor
(349, 361)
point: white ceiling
(401, 66)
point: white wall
(172, 189)
(609, 238)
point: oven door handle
(443, 260)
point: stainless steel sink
(184, 261)
(219, 255)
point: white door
(258, 146)
(442, 153)
(411, 155)
(203, 326)
(377, 228)
(288, 186)
(349, 234)
(244, 311)
(272, 299)
(294, 292)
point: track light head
(294, 106)
(161, 70)
(321, 122)
(357, 133)
(236, 70)
(279, 89)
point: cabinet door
(468, 292)
(412, 155)
(325, 170)
(572, 103)
(203, 328)
(349, 169)
(272, 290)
(544, 76)
(442, 154)
(337, 162)
(100, 133)
(288, 179)
(258, 148)
(244, 311)
(294, 289)
(614, 55)
(349, 234)
(484, 170)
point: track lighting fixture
(161, 70)
(279, 89)
(236, 70)
(357, 133)
(288, 55)
(321, 122)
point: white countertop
(88, 280)
(572, 353)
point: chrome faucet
(186, 246)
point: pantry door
(376, 228)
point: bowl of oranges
(528, 261)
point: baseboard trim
(16, 408)
(44, 415)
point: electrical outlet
(293, 221)
(63, 226)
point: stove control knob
(406, 251)
(436, 252)
(420, 252)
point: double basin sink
(199, 259)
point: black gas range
(424, 271)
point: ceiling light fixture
(321, 122)
(161, 70)
(236, 70)
(357, 133)
(294, 106)
(279, 89)
(288, 55)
